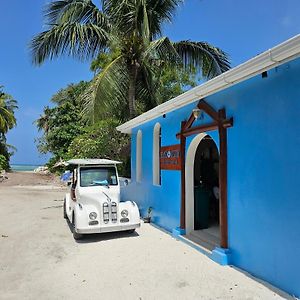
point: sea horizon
(25, 167)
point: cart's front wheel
(76, 236)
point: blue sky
(241, 28)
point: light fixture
(93, 215)
(196, 113)
(124, 213)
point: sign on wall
(170, 157)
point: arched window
(139, 156)
(156, 150)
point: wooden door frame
(221, 123)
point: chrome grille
(110, 211)
(114, 212)
(105, 212)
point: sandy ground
(30, 179)
(40, 260)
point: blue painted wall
(263, 174)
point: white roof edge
(92, 161)
(269, 59)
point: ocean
(23, 167)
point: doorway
(220, 123)
(206, 190)
(203, 213)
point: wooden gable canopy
(221, 123)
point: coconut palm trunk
(132, 91)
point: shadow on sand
(100, 237)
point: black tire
(76, 236)
(65, 211)
(131, 230)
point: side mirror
(126, 182)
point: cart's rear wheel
(76, 236)
(65, 211)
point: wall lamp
(197, 113)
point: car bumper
(113, 228)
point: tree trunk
(131, 91)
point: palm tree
(71, 96)
(131, 31)
(43, 122)
(7, 121)
(7, 116)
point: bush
(3, 163)
(102, 140)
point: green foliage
(4, 148)
(62, 123)
(3, 163)
(8, 105)
(71, 94)
(170, 82)
(102, 61)
(175, 81)
(102, 140)
(7, 112)
(66, 133)
(131, 30)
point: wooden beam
(202, 105)
(199, 129)
(208, 109)
(182, 153)
(223, 180)
(189, 122)
(206, 127)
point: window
(156, 156)
(139, 156)
(93, 176)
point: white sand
(40, 260)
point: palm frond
(145, 24)
(75, 11)
(146, 86)
(160, 12)
(82, 41)
(128, 18)
(162, 49)
(7, 117)
(210, 60)
(107, 95)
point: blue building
(220, 164)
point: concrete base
(177, 232)
(218, 255)
(221, 256)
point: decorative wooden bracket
(218, 120)
(220, 123)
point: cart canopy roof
(92, 162)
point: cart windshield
(98, 176)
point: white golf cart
(93, 203)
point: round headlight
(93, 215)
(124, 213)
